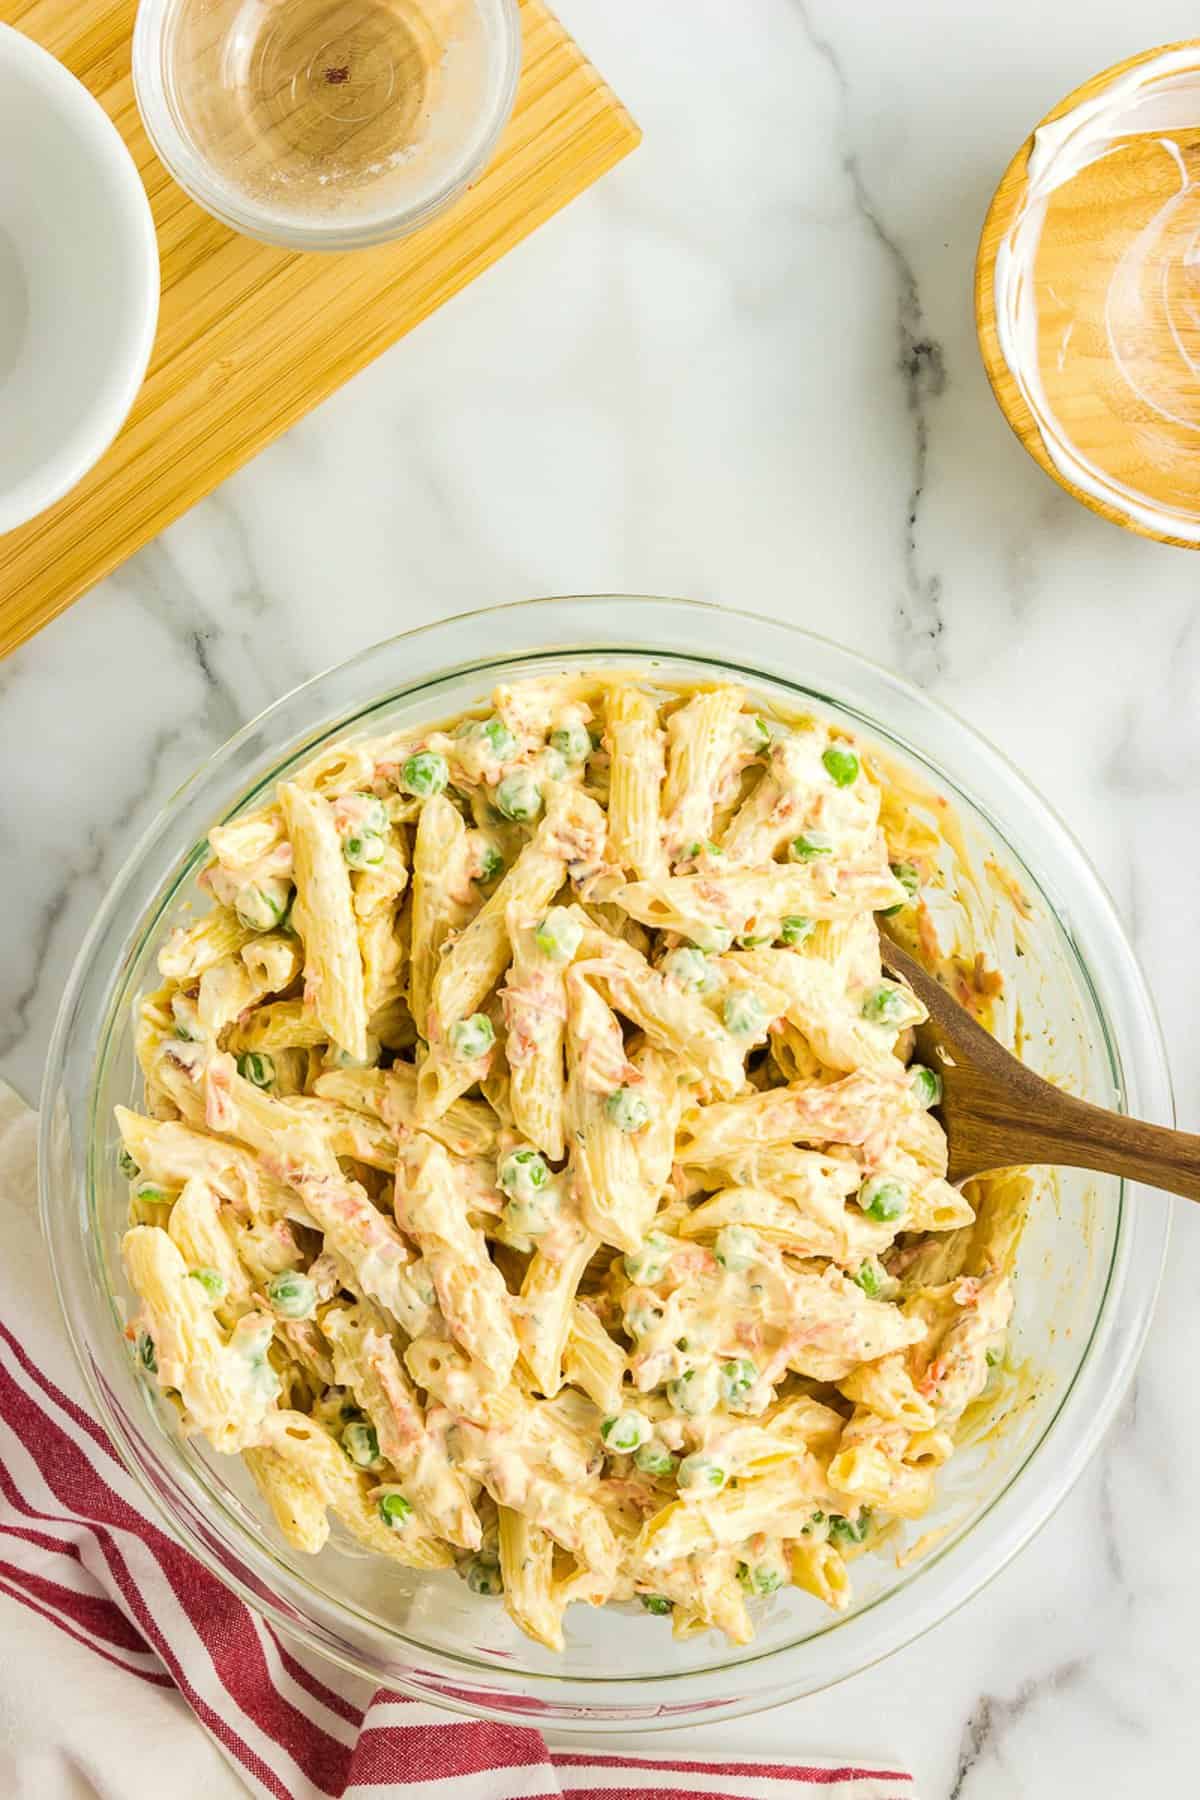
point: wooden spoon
(998, 1114)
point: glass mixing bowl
(1087, 1271)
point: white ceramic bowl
(79, 280)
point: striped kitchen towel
(151, 1624)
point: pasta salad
(533, 1177)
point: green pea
(743, 1013)
(993, 1357)
(372, 816)
(559, 935)
(212, 1281)
(852, 1531)
(654, 1459)
(796, 929)
(886, 1005)
(869, 1278)
(484, 1576)
(554, 765)
(256, 1067)
(755, 733)
(522, 1173)
(841, 765)
(360, 1441)
(761, 1579)
(656, 1603)
(532, 1216)
(490, 864)
(737, 1379)
(715, 939)
(262, 905)
(363, 850)
(472, 1038)
(695, 1392)
(702, 1472)
(883, 1199)
(650, 1261)
(572, 742)
(146, 1353)
(518, 797)
(501, 739)
(426, 773)
(690, 969)
(642, 1319)
(627, 1110)
(127, 1165)
(810, 844)
(395, 1511)
(626, 1432)
(187, 1019)
(746, 942)
(292, 1295)
(735, 1247)
(152, 1194)
(925, 1085)
(909, 877)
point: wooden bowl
(1123, 365)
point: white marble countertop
(743, 368)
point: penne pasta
(528, 1181)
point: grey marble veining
(743, 368)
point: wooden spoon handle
(1083, 1136)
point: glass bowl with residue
(1087, 1266)
(325, 124)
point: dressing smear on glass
(1097, 294)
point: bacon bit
(643, 1498)
(934, 1375)
(1011, 887)
(335, 77)
(975, 987)
(691, 1259)
(748, 1335)
(927, 936)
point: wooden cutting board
(250, 338)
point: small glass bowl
(325, 124)
(1087, 1269)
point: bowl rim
(135, 239)
(225, 202)
(599, 1703)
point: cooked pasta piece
(635, 778)
(366, 1361)
(323, 913)
(699, 734)
(527, 1567)
(470, 1288)
(535, 1011)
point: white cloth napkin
(126, 1670)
